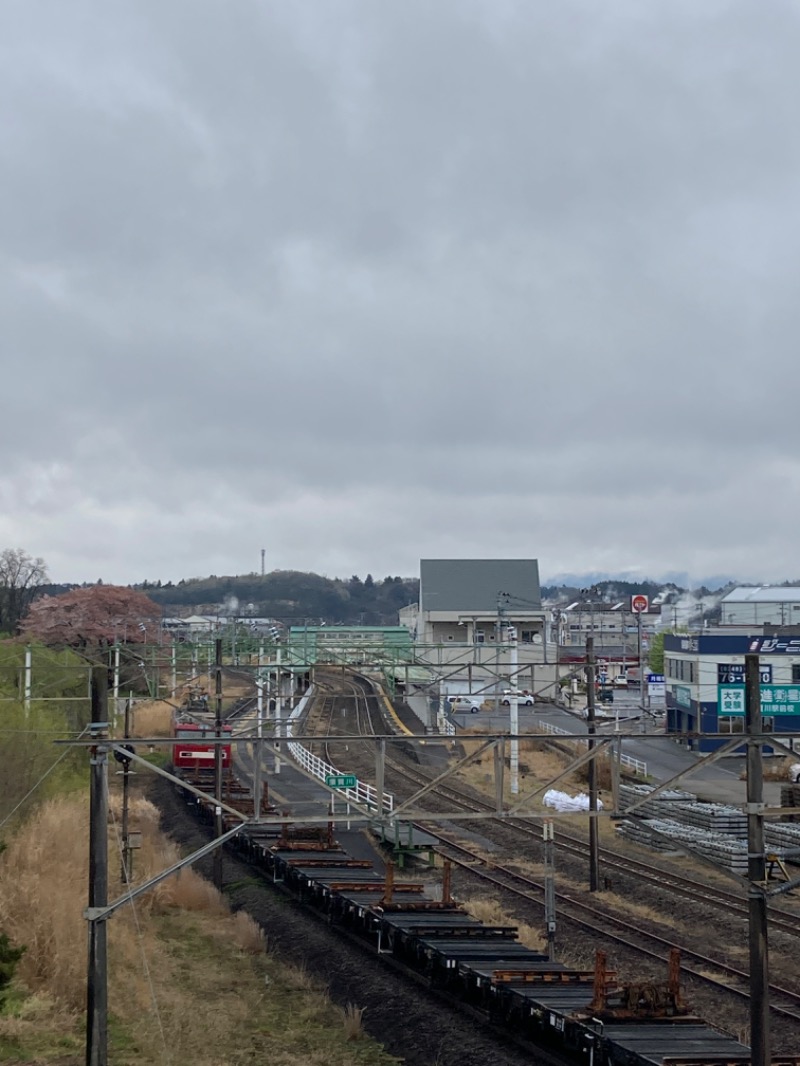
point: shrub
(9, 957)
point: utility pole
(760, 1039)
(97, 970)
(549, 887)
(218, 761)
(278, 709)
(28, 677)
(116, 685)
(498, 640)
(594, 846)
(380, 772)
(127, 853)
(259, 746)
(514, 711)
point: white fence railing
(362, 793)
(636, 766)
(445, 726)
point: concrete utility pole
(97, 970)
(549, 887)
(127, 853)
(218, 761)
(116, 684)
(498, 640)
(760, 1039)
(259, 746)
(594, 845)
(278, 709)
(514, 710)
(28, 678)
(380, 774)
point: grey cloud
(302, 267)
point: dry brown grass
(538, 763)
(352, 1021)
(152, 718)
(248, 934)
(776, 769)
(299, 978)
(43, 890)
(603, 773)
(208, 968)
(489, 911)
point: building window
(732, 724)
(527, 636)
(480, 636)
(795, 673)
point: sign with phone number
(733, 673)
(775, 699)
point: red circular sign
(639, 604)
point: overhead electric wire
(140, 936)
(41, 780)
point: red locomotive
(191, 750)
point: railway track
(780, 920)
(351, 712)
(600, 922)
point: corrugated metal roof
(475, 584)
(763, 594)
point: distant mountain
(679, 579)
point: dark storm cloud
(364, 282)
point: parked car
(524, 698)
(463, 704)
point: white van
(465, 703)
(524, 698)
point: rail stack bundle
(716, 829)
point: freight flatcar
(581, 1017)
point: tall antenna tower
(263, 553)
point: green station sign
(340, 780)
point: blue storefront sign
(774, 645)
(775, 700)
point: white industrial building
(761, 605)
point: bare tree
(20, 577)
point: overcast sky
(366, 281)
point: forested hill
(289, 596)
